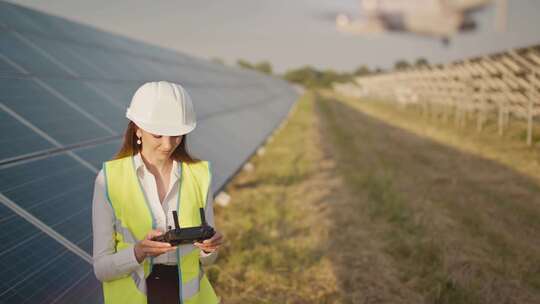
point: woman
(134, 196)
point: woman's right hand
(148, 248)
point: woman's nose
(167, 142)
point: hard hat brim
(163, 129)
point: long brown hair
(130, 146)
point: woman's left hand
(212, 244)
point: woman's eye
(156, 136)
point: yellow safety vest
(134, 219)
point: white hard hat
(162, 108)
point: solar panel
(7, 69)
(117, 91)
(96, 154)
(37, 269)
(73, 57)
(58, 196)
(65, 88)
(13, 16)
(33, 102)
(91, 100)
(18, 49)
(19, 138)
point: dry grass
(460, 228)
(510, 149)
(276, 226)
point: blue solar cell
(119, 91)
(19, 49)
(151, 68)
(31, 20)
(87, 290)
(200, 97)
(116, 65)
(202, 148)
(85, 94)
(69, 56)
(20, 139)
(11, 16)
(134, 68)
(60, 195)
(38, 269)
(48, 113)
(96, 155)
(7, 68)
(224, 141)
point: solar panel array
(491, 86)
(64, 90)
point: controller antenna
(203, 219)
(175, 218)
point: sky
(287, 33)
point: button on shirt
(109, 264)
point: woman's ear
(138, 133)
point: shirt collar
(139, 165)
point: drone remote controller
(188, 235)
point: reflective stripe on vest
(134, 219)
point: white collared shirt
(109, 264)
